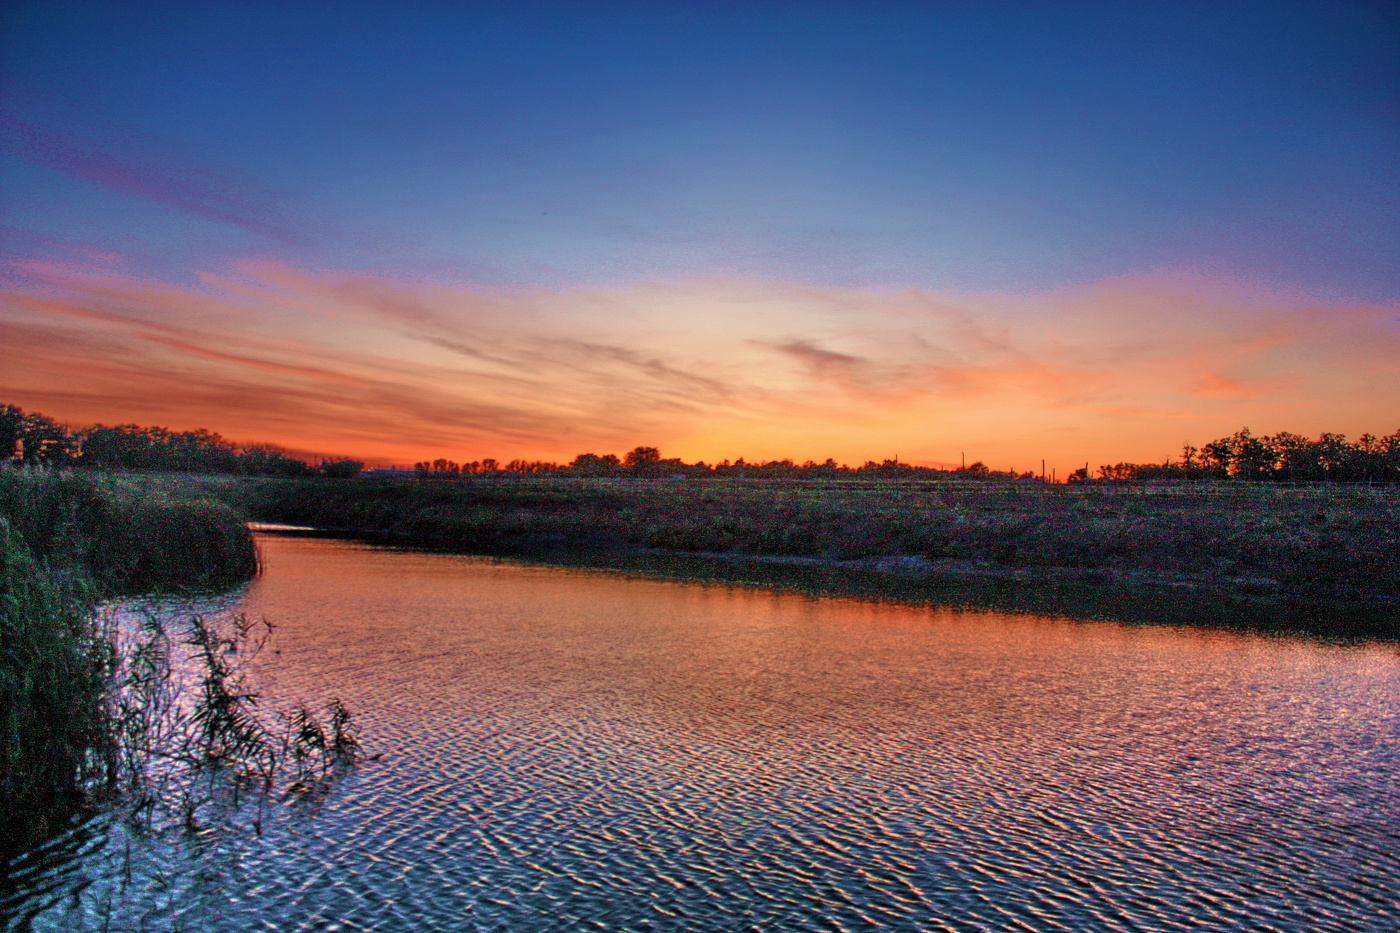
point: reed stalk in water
(88, 714)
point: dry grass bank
(1343, 541)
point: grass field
(1264, 541)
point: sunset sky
(1079, 232)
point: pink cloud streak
(396, 371)
(156, 177)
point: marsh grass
(129, 537)
(54, 676)
(1314, 558)
(157, 715)
(1313, 539)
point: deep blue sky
(951, 146)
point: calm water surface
(582, 750)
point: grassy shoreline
(1316, 558)
(127, 535)
(68, 541)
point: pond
(567, 749)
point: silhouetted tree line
(33, 439)
(36, 440)
(1282, 457)
(648, 462)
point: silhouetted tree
(531, 467)
(11, 430)
(594, 465)
(641, 457)
(41, 440)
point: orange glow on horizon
(392, 373)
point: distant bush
(341, 469)
(35, 440)
(1283, 457)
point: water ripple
(575, 751)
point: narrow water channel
(582, 750)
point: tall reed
(54, 672)
(66, 541)
(130, 537)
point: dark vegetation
(36, 440)
(85, 710)
(1261, 518)
(647, 463)
(126, 537)
(1262, 541)
(53, 680)
(1282, 457)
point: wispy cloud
(145, 170)
(399, 371)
